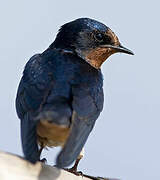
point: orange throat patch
(98, 55)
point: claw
(74, 169)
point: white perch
(13, 167)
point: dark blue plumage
(59, 76)
(63, 86)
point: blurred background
(125, 141)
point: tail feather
(29, 138)
(77, 138)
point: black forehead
(85, 24)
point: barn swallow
(60, 95)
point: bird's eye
(99, 37)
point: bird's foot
(74, 171)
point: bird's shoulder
(45, 77)
(36, 68)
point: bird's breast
(51, 134)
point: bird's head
(89, 39)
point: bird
(60, 95)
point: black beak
(119, 48)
